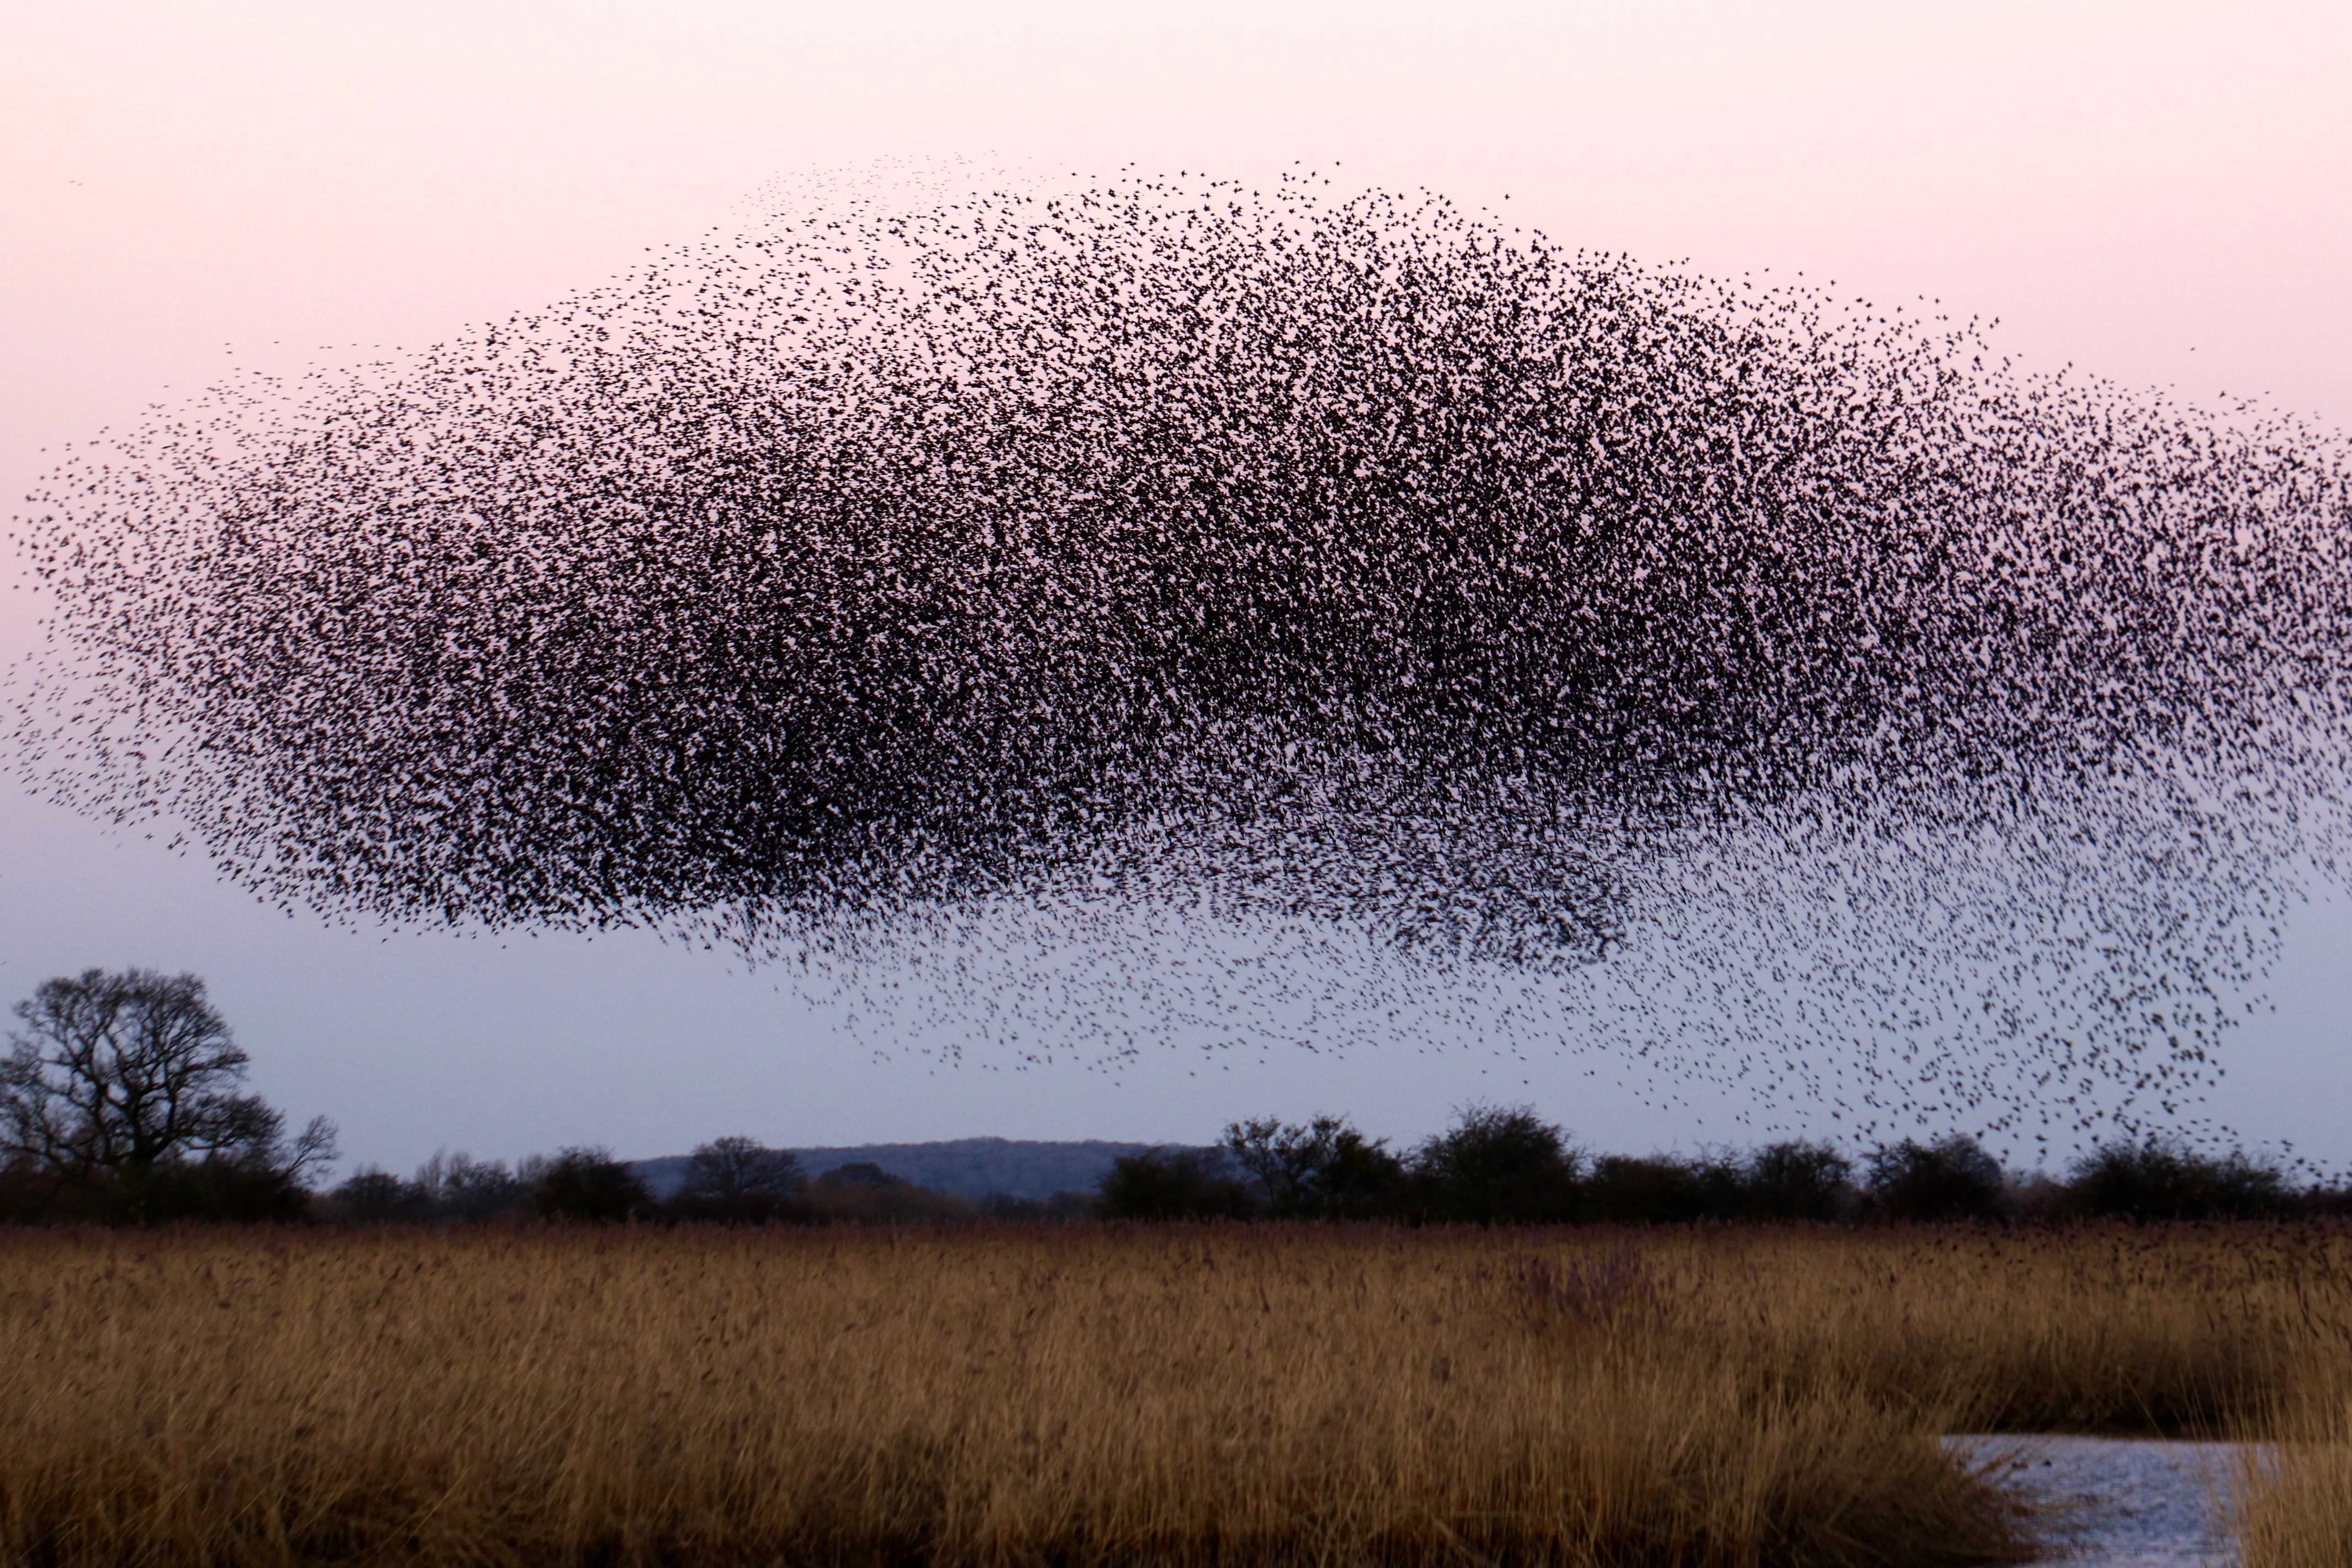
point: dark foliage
(1176, 1183)
(738, 1180)
(1324, 1169)
(587, 1185)
(1498, 1165)
(219, 1187)
(974, 1168)
(1951, 1179)
(474, 1190)
(1624, 1191)
(1796, 1181)
(2158, 1181)
(373, 1196)
(860, 1176)
(1506, 1165)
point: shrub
(1656, 1191)
(1324, 1169)
(1797, 1181)
(373, 1196)
(2328, 1202)
(2158, 1181)
(587, 1185)
(224, 1188)
(1498, 1165)
(1174, 1184)
(1062, 1208)
(1951, 1179)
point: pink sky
(2155, 192)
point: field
(2305, 1519)
(1107, 1395)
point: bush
(2327, 1202)
(1951, 1179)
(1797, 1181)
(25, 1192)
(1625, 1190)
(1498, 1165)
(2159, 1181)
(587, 1184)
(226, 1189)
(1324, 1169)
(219, 1188)
(373, 1196)
(1174, 1184)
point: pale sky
(2152, 191)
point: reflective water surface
(2124, 1502)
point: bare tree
(741, 1167)
(1324, 1169)
(116, 1078)
(458, 1186)
(740, 1180)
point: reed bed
(1181, 1395)
(2296, 1511)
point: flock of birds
(1158, 605)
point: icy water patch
(2124, 1502)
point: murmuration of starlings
(1160, 604)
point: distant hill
(972, 1167)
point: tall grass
(2297, 1503)
(1183, 1394)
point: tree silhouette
(1324, 1169)
(1500, 1165)
(1173, 1183)
(121, 1092)
(586, 1184)
(739, 1181)
(1951, 1179)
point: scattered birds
(1152, 601)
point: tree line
(122, 1101)
(1506, 1165)
(1495, 1165)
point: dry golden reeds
(1183, 1394)
(2296, 1508)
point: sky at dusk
(2154, 192)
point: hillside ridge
(969, 1167)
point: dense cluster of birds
(1783, 687)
